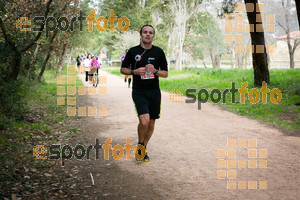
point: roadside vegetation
(285, 114)
(31, 117)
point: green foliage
(6, 58)
(12, 95)
(285, 114)
(228, 6)
(207, 37)
(130, 9)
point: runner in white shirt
(87, 63)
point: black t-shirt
(138, 57)
(78, 60)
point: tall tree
(18, 47)
(184, 10)
(259, 55)
(260, 60)
(205, 37)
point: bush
(12, 95)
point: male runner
(147, 62)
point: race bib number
(148, 75)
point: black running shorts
(147, 101)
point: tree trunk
(216, 61)
(286, 8)
(260, 60)
(44, 66)
(231, 59)
(47, 55)
(203, 62)
(16, 66)
(62, 60)
(35, 52)
(292, 62)
(246, 60)
(70, 57)
(239, 60)
(212, 58)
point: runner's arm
(140, 71)
(125, 71)
(163, 67)
(162, 73)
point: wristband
(132, 72)
(156, 72)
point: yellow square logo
(103, 79)
(231, 153)
(239, 7)
(263, 185)
(61, 80)
(252, 163)
(263, 153)
(102, 90)
(71, 101)
(242, 164)
(61, 90)
(221, 153)
(71, 111)
(252, 153)
(228, 28)
(71, 90)
(231, 163)
(252, 185)
(221, 164)
(61, 101)
(81, 90)
(231, 142)
(221, 174)
(102, 111)
(231, 185)
(92, 91)
(231, 174)
(81, 111)
(249, 7)
(92, 111)
(71, 80)
(71, 70)
(228, 17)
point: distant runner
(87, 63)
(94, 68)
(126, 76)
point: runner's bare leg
(149, 131)
(143, 126)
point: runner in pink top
(126, 76)
(94, 62)
(95, 66)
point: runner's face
(147, 35)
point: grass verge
(285, 114)
(42, 123)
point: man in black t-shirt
(146, 63)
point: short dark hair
(145, 26)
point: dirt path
(183, 153)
